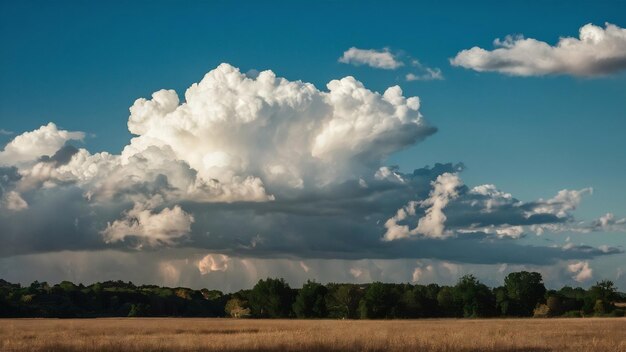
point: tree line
(523, 294)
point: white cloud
(494, 197)
(598, 51)
(432, 224)
(608, 223)
(283, 134)
(29, 146)
(373, 58)
(213, 262)
(235, 136)
(396, 231)
(560, 205)
(500, 231)
(288, 159)
(148, 227)
(389, 174)
(231, 140)
(581, 270)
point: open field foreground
(181, 334)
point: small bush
(542, 311)
(572, 314)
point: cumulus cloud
(256, 166)
(46, 140)
(608, 222)
(150, 228)
(374, 58)
(10, 199)
(596, 52)
(230, 140)
(485, 210)
(213, 262)
(561, 204)
(432, 224)
(581, 270)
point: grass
(181, 334)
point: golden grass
(181, 334)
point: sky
(211, 144)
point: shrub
(541, 311)
(572, 314)
(235, 308)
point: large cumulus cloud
(268, 168)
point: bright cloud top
(30, 145)
(377, 59)
(581, 270)
(597, 51)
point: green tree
(502, 300)
(525, 290)
(310, 301)
(271, 298)
(343, 300)
(604, 290)
(475, 298)
(445, 300)
(138, 310)
(378, 302)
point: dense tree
(524, 291)
(343, 300)
(271, 298)
(475, 298)
(603, 293)
(502, 300)
(311, 301)
(139, 310)
(378, 302)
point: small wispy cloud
(431, 74)
(4, 132)
(424, 73)
(384, 59)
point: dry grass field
(178, 334)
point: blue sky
(83, 64)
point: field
(180, 334)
